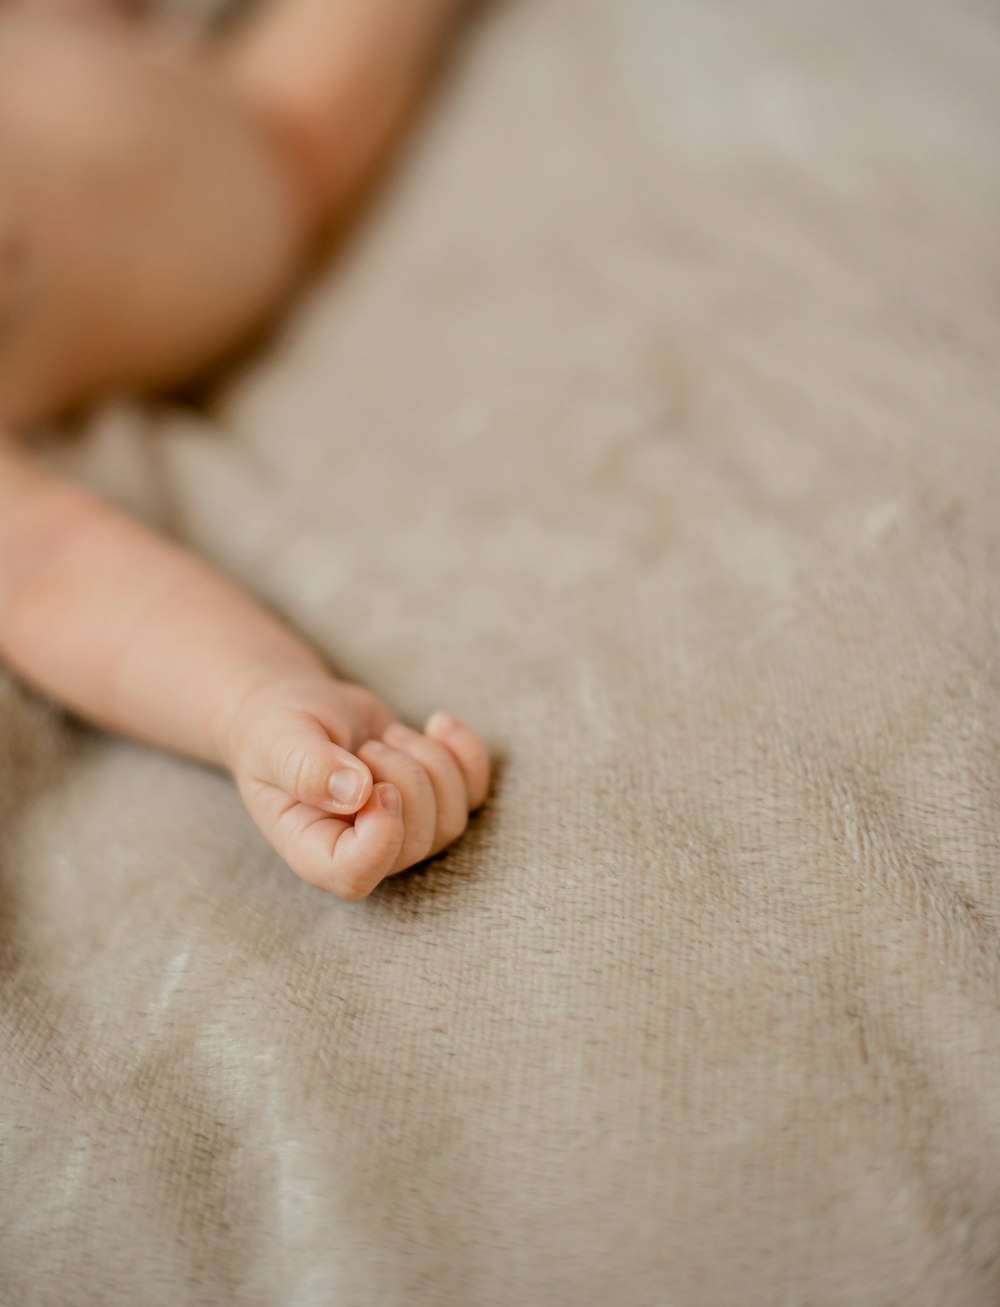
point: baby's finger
(366, 853)
(419, 803)
(298, 757)
(334, 855)
(468, 751)
(445, 776)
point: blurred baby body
(160, 198)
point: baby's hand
(342, 790)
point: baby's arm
(141, 637)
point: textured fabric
(651, 424)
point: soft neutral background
(652, 423)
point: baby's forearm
(122, 626)
(139, 636)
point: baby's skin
(125, 263)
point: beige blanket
(651, 423)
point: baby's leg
(163, 200)
(85, 10)
(153, 225)
(336, 79)
(143, 638)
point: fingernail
(444, 721)
(346, 786)
(390, 799)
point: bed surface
(650, 423)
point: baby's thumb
(315, 771)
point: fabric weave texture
(651, 424)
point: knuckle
(307, 870)
(437, 755)
(343, 730)
(299, 770)
(365, 709)
(452, 829)
(417, 846)
(481, 778)
(480, 793)
(351, 886)
(414, 771)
